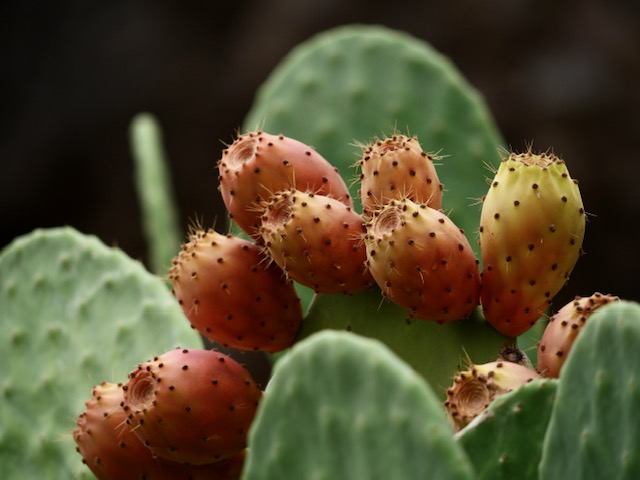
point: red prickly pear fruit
(191, 406)
(397, 168)
(531, 231)
(563, 329)
(232, 294)
(113, 452)
(258, 164)
(473, 389)
(422, 261)
(317, 241)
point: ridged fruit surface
(475, 388)
(531, 231)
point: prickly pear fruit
(258, 164)
(531, 231)
(232, 294)
(397, 168)
(317, 241)
(422, 261)
(563, 329)
(473, 389)
(192, 406)
(113, 452)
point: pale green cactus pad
(506, 441)
(73, 313)
(594, 432)
(436, 351)
(342, 407)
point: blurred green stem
(152, 181)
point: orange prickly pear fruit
(531, 231)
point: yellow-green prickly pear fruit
(531, 231)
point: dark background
(563, 75)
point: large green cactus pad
(594, 432)
(73, 313)
(506, 441)
(355, 82)
(436, 351)
(342, 407)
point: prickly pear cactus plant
(365, 384)
(74, 312)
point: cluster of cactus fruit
(195, 407)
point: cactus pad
(342, 407)
(436, 351)
(594, 432)
(515, 423)
(74, 313)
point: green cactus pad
(152, 180)
(353, 83)
(342, 407)
(73, 313)
(436, 351)
(515, 423)
(594, 431)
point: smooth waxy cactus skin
(113, 452)
(563, 330)
(475, 388)
(259, 164)
(317, 241)
(192, 406)
(396, 167)
(340, 406)
(73, 312)
(531, 231)
(233, 295)
(422, 261)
